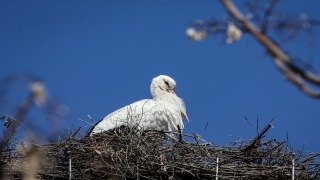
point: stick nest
(157, 155)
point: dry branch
(159, 155)
(267, 19)
(281, 59)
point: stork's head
(165, 83)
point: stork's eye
(166, 82)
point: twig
(254, 141)
(284, 63)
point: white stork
(163, 112)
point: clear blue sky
(98, 56)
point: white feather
(163, 112)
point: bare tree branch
(267, 15)
(295, 74)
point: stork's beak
(184, 115)
(171, 91)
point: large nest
(157, 155)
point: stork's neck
(156, 92)
(163, 96)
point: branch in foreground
(295, 74)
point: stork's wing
(146, 114)
(130, 115)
